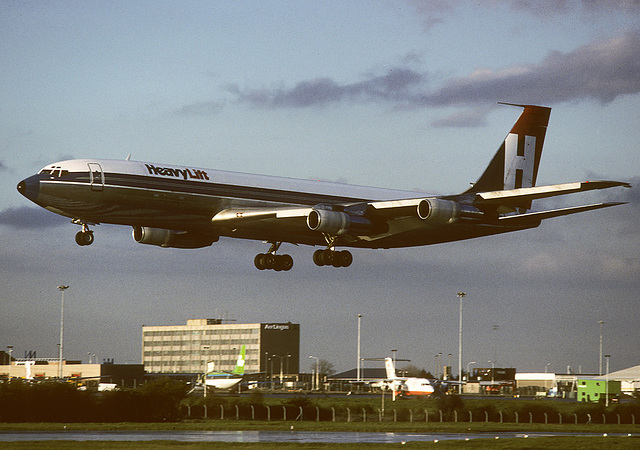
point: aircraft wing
(527, 218)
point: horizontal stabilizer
(532, 193)
(534, 218)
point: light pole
(358, 362)
(10, 348)
(600, 357)
(62, 288)
(606, 384)
(461, 295)
(281, 368)
(317, 378)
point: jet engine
(171, 238)
(439, 211)
(337, 223)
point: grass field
(592, 442)
(249, 425)
(571, 443)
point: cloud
(392, 87)
(599, 71)
(27, 217)
(553, 7)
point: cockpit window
(55, 172)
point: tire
(259, 261)
(318, 258)
(84, 238)
(286, 262)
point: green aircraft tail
(239, 369)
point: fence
(299, 413)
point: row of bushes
(61, 402)
(167, 400)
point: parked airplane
(412, 386)
(225, 380)
(184, 207)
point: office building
(270, 347)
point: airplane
(184, 207)
(412, 386)
(225, 380)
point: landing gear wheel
(346, 258)
(318, 257)
(84, 238)
(259, 261)
(283, 262)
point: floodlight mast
(461, 295)
(62, 288)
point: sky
(397, 94)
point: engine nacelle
(337, 223)
(171, 238)
(439, 211)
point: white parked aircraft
(225, 380)
(411, 386)
(184, 207)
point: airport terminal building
(188, 348)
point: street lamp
(358, 362)
(600, 357)
(606, 383)
(62, 288)
(317, 378)
(10, 348)
(281, 365)
(461, 295)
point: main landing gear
(84, 237)
(272, 261)
(330, 256)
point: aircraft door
(96, 177)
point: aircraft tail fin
(239, 369)
(515, 165)
(391, 370)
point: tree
(325, 368)
(414, 371)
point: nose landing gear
(84, 237)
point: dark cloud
(553, 7)
(28, 217)
(599, 71)
(394, 86)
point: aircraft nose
(30, 187)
